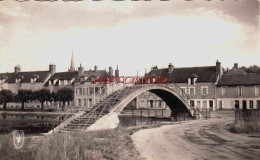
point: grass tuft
(241, 126)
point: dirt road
(196, 140)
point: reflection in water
(126, 120)
(140, 117)
(29, 123)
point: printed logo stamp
(18, 139)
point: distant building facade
(238, 90)
(198, 82)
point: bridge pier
(109, 121)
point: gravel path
(196, 140)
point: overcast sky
(134, 35)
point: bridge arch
(173, 100)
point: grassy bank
(241, 126)
(108, 144)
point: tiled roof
(181, 75)
(88, 75)
(5, 75)
(26, 77)
(235, 71)
(235, 80)
(64, 75)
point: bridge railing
(75, 109)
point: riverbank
(107, 144)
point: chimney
(170, 68)
(117, 71)
(52, 69)
(95, 68)
(218, 68)
(110, 71)
(154, 67)
(80, 70)
(17, 69)
(235, 66)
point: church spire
(72, 66)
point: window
(17, 80)
(257, 90)
(240, 90)
(204, 103)
(96, 89)
(91, 90)
(192, 103)
(198, 104)
(80, 90)
(33, 80)
(220, 104)
(90, 102)
(251, 104)
(192, 91)
(237, 104)
(224, 91)
(85, 102)
(204, 90)
(191, 81)
(159, 103)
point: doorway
(244, 105)
(236, 104)
(192, 104)
(258, 104)
(211, 105)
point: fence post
(199, 113)
(156, 115)
(162, 115)
(141, 117)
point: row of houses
(85, 92)
(207, 86)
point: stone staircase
(100, 109)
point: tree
(251, 69)
(65, 95)
(42, 96)
(25, 96)
(6, 96)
